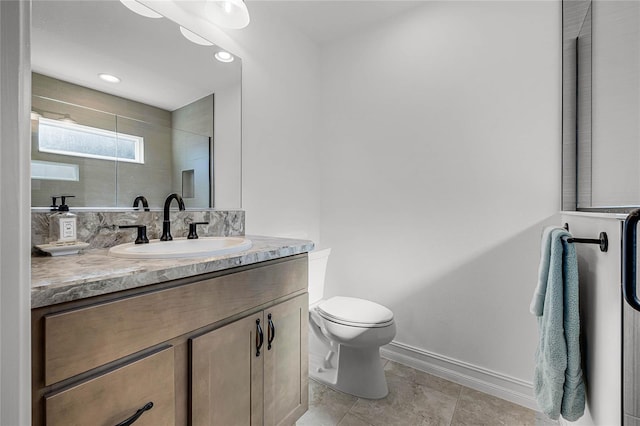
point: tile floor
(415, 399)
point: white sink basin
(182, 247)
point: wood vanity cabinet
(248, 372)
(226, 348)
(119, 394)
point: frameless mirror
(607, 104)
(172, 123)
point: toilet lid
(351, 310)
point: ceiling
(325, 21)
(76, 40)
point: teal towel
(558, 385)
(537, 302)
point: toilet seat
(355, 312)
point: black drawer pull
(136, 416)
(259, 337)
(271, 332)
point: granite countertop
(92, 272)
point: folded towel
(558, 384)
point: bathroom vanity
(223, 344)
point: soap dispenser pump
(62, 227)
(63, 207)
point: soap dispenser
(62, 226)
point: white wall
(15, 219)
(440, 160)
(280, 189)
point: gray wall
(573, 13)
(227, 144)
(615, 175)
(607, 153)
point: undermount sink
(182, 247)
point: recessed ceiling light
(109, 78)
(194, 38)
(223, 56)
(140, 9)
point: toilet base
(356, 371)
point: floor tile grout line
(349, 410)
(342, 418)
(357, 416)
(430, 388)
(455, 408)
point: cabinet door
(116, 396)
(226, 375)
(286, 393)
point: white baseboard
(490, 382)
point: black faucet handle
(141, 199)
(142, 233)
(63, 207)
(192, 229)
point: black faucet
(140, 199)
(166, 223)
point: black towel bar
(603, 241)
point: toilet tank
(317, 269)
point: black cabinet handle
(136, 416)
(271, 332)
(629, 254)
(259, 337)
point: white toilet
(345, 337)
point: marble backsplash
(100, 229)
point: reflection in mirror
(583, 111)
(93, 177)
(608, 94)
(141, 157)
(158, 124)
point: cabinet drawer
(79, 340)
(115, 396)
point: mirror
(584, 110)
(606, 58)
(172, 124)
